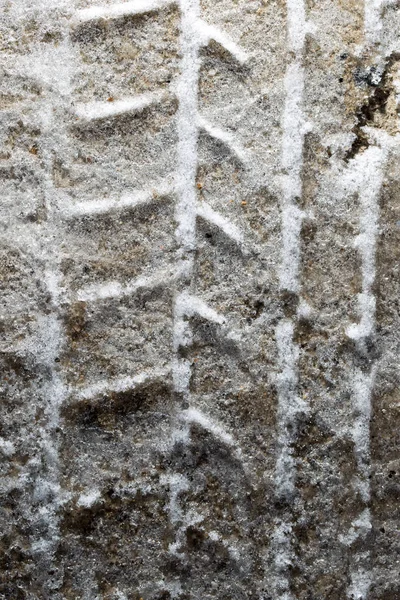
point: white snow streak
(123, 9)
(189, 306)
(92, 111)
(123, 384)
(185, 215)
(224, 137)
(294, 128)
(53, 70)
(289, 405)
(178, 484)
(115, 289)
(126, 201)
(208, 32)
(365, 177)
(204, 211)
(193, 415)
(362, 392)
(6, 447)
(360, 583)
(187, 92)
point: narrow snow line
(122, 384)
(115, 289)
(185, 211)
(187, 93)
(54, 76)
(185, 215)
(92, 111)
(209, 32)
(292, 218)
(225, 138)
(289, 405)
(123, 9)
(188, 305)
(294, 128)
(365, 176)
(193, 415)
(51, 339)
(362, 393)
(233, 549)
(126, 201)
(204, 211)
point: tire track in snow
(48, 496)
(194, 34)
(365, 177)
(289, 404)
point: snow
(292, 219)
(122, 384)
(115, 289)
(7, 447)
(297, 27)
(205, 212)
(193, 415)
(181, 373)
(289, 405)
(177, 484)
(92, 111)
(360, 584)
(194, 34)
(187, 92)
(362, 392)
(51, 67)
(288, 354)
(294, 128)
(283, 559)
(224, 137)
(208, 33)
(127, 200)
(188, 305)
(123, 9)
(360, 527)
(365, 176)
(87, 500)
(372, 20)
(233, 550)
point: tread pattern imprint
(199, 300)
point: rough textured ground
(199, 336)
